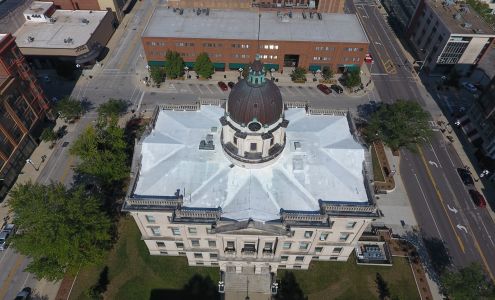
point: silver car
(4, 235)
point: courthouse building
(252, 186)
(230, 37)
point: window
(198, 255)
(155, 230)
(213, 256)
(303, 245)
(251, 247)
(315, 257)
(268, 246)
(192, 230)
(182, 253)
(333, 257)
(284, 258)
(235, 140)
(316, 58)
(324, 236)
(160, 244)
(351, 224)
(195, 243)
(287, 245)
(308, 234)
(214, 264)
(209, 230)
(281, 266)
(344, 236)
(179, 245)
(299, 258)
(253, 147)
(163, 252)
(212, 244)
(150, 219)
(231, 245)
(199, 263)
(297, 267)
(175, 230)
(318, 249)
(337, 250)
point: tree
(327, 73)
(102, 151)
(203, 66)
(382, 286)
(157, 74)
(48, 135)
(175, 64)
(352, 78)
(61, 230)
(69, 109)
(113, 108)
(401, 124)
(298, 74)
(469, 283)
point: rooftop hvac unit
(457, 16)
(467, 25)
(85, 21)
(30, 39)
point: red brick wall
(77, 4)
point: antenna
(259, 28)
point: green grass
(347, 280)
(377, 171)
(135, 274)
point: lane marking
(66, 169)
(428, 206)
(3, 290)
(452, 209)
(486, 230)
(462, 228)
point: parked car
(230, 84)
(337, 88)
(478, 198)
(223, 86)
(324, 89)
(24, 294)
(4, 236)
(470, 87)
(465, 176)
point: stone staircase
(247, 281)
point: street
(440, 201)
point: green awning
(156, 63)
(236, 66)
(314, 68)
(219, 65)
(351, 67)
(190, 65)
(268, 67)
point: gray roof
(243, 25)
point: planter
(299, 81)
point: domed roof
(255, 98)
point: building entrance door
(291, 60)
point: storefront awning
(269, 67)
(236, 66)
(156, 63)
(219, 65)
(190, 65)
(90, 56)
(314, 68)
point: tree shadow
(198, 287)
(438, 253)
(289, 289)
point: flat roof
(243, 25)
(38, 7)
(327, 164)
(455, 16)
(70, 25)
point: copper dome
(255, 98)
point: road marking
(3, 290)
(433, 163)
(452, 209)
(67, 168)
(439, 195)
(379, 74)
(462, 227)
(487, 232)
(428, 206)
(140, 101)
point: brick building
(23, 107)
(231, 38)
(323, 6)
(116, 6)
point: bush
(327, 73)
(157, 74)
(298, 75)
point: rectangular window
(195, 243)
(299, 258)
(213, 256)
(214, 263)
(198, 255)
(344, 236)
(230, 245)
(235, 140)
(287, 245)
(251, 247)
(182, 253)
(303, 245)
(192, 230)
(163, 252)
(150, 219)
(297, 267)
(268, 246)
(199, 263)
(308, 234)
(212, 244)
(318, 249)
(160, 244)
(281, 266)
(324, 236)
(351, 224)
(315, 257)
(175, 230)
(284, 258)
(253, 146)
(155, 230)
(179, 245)
(337, 250)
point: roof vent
(53, 20)
(30, 39)
(85, 21)
(304, 15)
(467, 25)
(457, 16)
(207, 144)
(69, 40)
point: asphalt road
(440, 201)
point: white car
(470, 87)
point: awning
(190, 65)
(268, 67)
(352, 67)
(236, 66)
(156, 63)
(219, 65)
(314, 68)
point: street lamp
(272, 70)
(424, 61)
(29, 161)
(240, 72)
(186, 68)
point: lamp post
(272, 70)
(29, 161)
(186, 69)
(424, 61)
(240, 72)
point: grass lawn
(347, 280)
(134, 274)
(377, 171)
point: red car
(478, 198)
(325, 89)
(223, 86)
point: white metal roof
(326, 165)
